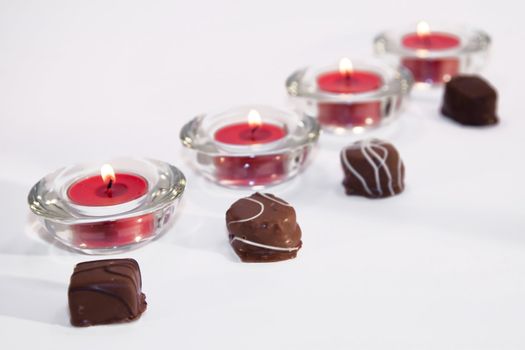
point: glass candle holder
(350, 97)
(434, 53)
(79, 210)
(251, 146)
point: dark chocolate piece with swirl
(373, 169)
(106, 291)
(263, 228)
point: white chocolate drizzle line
(261, 205)
(273, 199)
(368, 151)
(252, 217)
(260, 245)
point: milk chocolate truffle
(105, 291)
(470, 100)
(263, 228)
(373, 169)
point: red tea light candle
(112, 212)
(106, 190)
(424, 42)
(349, 81)
(250, 147)
(251, 170)
(254, 132)
(434, 54)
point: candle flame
(107, 173)
(254, 119)
(423, 28)
(345, 66)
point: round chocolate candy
(263, 228)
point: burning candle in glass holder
(423, 67)
(350, 96)
(108, 211)
(434, 54)
(249, 170)
(347, 80)
(250, 146)
(252, 132)
(105, 190)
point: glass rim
(48, 198)
(198, 133)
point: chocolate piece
(373, 169)
(263, 228)
(470, 100)
(106, 291)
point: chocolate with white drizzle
(373, 169)
(263, 228)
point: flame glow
(345, 66)
(254, 119)
(107, 173)
(422, 28)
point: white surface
(441, 266)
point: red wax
(93, 192)
(250, 171)
(349, 83)
(244, 134)
(430, 41)
(355, 114)
(117, 233)
(431, 70)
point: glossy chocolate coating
(263, 228)
(470, 100)
(372, 168)
(106, 291)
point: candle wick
(347, 77)
(252, 132)
(426, 40)
(108, 188)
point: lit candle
(106, 190)
(424, 42)
(254, 132)
(348, 80)
(250, 147)
(434, 54)
(255, 169)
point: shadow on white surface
(202, 230)
(36, 300)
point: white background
(441, 266)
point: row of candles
(253, 147)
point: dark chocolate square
(106, 291)
(470, 100)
